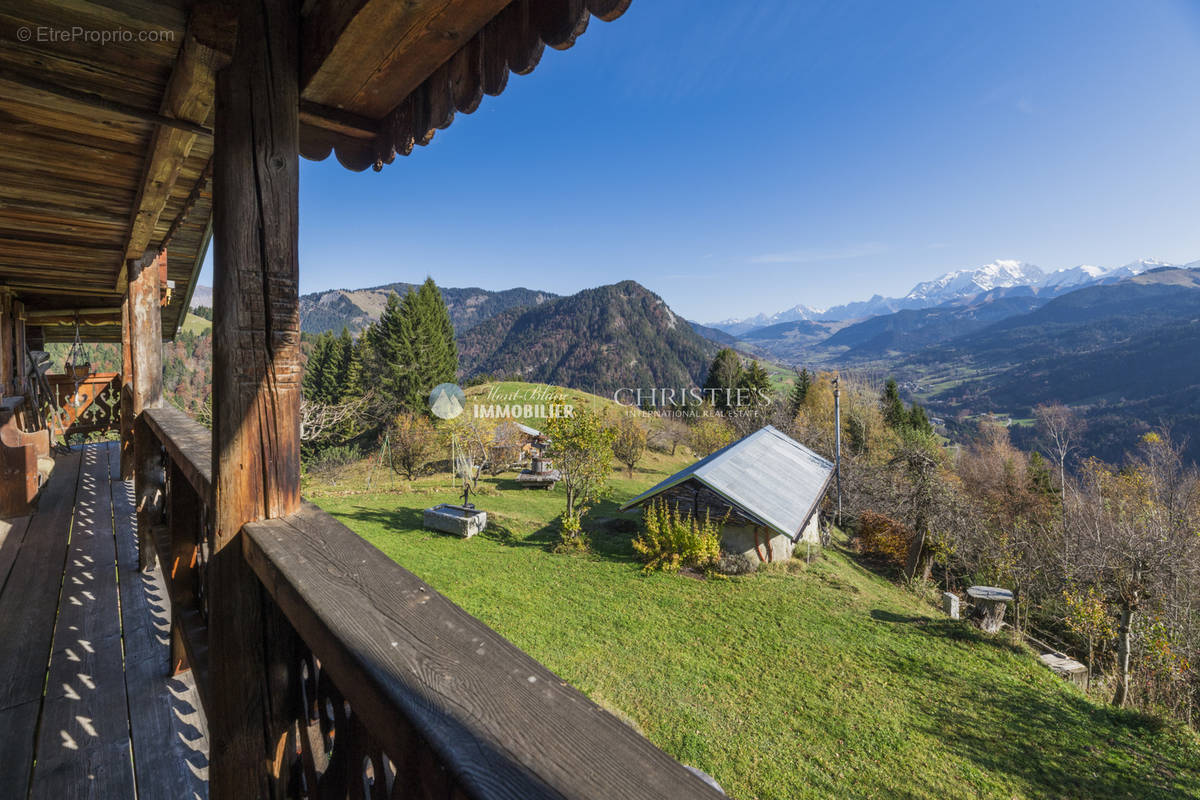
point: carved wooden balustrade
(379, 687)
(89, 404)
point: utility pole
(837, 439)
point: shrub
(328, 459)
(629, 442)
(412, 438)
(571, 537)
(883, 537)
(709, 435)
(672, 540)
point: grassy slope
(196, 324)
(818, 681)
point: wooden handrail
(410, 663)
(180, 538)
(188, 444)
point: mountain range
(957, 287)
(1117, 345)
(355, 308)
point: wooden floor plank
(12, 533)
(28, 607)
(29, 603)
(17, 726)
(83, 746)
(167, 725)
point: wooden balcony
(376, 685)
(88, 707)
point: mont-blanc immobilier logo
(447, 401)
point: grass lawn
(812, 681)
(195, 324)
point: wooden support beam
(256, 375)
(145, 338)
(338, 121)
(368, 55)
(127, 449)
(8, 357)
(98, 103)
(19, 314)
(189, 96)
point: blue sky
(745, 157)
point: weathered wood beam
(19, 345)
(8, 355)
(68, 316)
(189, 96)
(256, 375)
(338, 121)
(145, 338)
(128, 455)
(99, 103)
(367, 55)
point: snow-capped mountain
(1075, 277)
(964, 283)
(1000, 277)
(739, 326)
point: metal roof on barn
(767, 474)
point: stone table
(990, 604)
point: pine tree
(757, 382)
(316, 370)
(343, 356)
(439, 359)
(918, 420)
(410, 350)
(800, 392)
(893, 407)
(724, 374)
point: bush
(571, 537)
(412, 439)
(672, 540)
(328, 459)
(883, 537)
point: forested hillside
(354, 309)
(612, 336)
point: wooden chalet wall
(693, 497)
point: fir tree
(724, 376)
(409, 351)
(758, 383)
(893, 407)
(316, 370)
(917, 420)
(800, 392)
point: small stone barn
(769, 485)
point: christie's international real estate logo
(693, 401)
(447, 401)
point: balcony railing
(386, 688)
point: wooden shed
(766, 486)
(198, 630)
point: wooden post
(256, 378)
(18, 311)
(185, 515)
(145, 342)
(127, 415)
(8, 361)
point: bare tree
(319, 420)
(1061, 429)
(1135, 529)
(668, 432)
